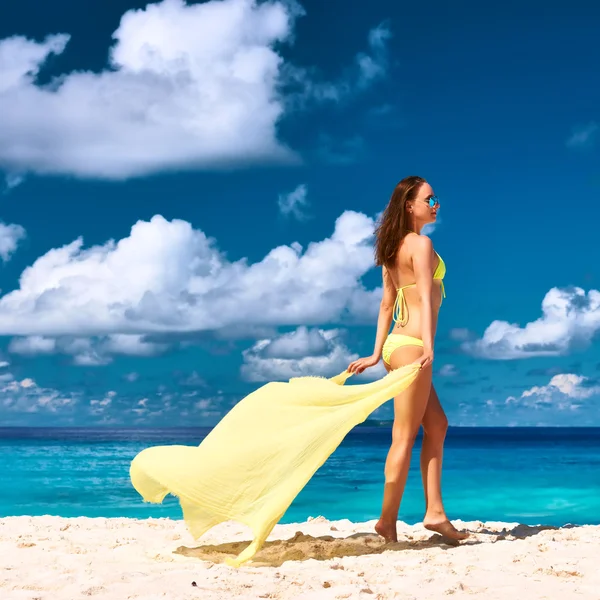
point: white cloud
(34, 344)
(86, 351)
(369, 67)
(10, 236)
(567, 384)
(131, 345)
(570, 318)
(303, 352)
(99, 407)
(583, 137)
(294, 355)
(90, 358)
(20, 60)
(168, 277)
(295, 203)
(448, 371)
(83, 350)
(565, 391)
(187, 86)
(26, 396)
(374, 66)
(299, 343)
(203, 404)
(141, 408)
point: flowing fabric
(253, 464)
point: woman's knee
(437, 428)
(403, 436)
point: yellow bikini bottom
(397, 340)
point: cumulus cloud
(565, 391)
(10, 236)
(187, 86)
(26, 396)
(25, 402)
(20, 59)
(299, 353)
(567, 384)
(295, 203)
(300, 343)
(167, 276)
(570, 319)
(131, 345)
(296, 354)
(34, 344)
(86, 351)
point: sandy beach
(54, 558)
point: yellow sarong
(253, 464)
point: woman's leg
(435, 425)
(409, 409)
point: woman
(251, 466)
(412, 294)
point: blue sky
(189, 191)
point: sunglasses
(432, 201)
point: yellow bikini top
(400, 306)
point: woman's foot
(387, 531)
(440, 524)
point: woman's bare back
(402, 274)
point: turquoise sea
(549, 476)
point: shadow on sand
(520, 532)
(304, 547)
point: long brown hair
(394, 224)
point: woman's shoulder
(419, 243)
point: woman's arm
(422, 259)
(386, 308)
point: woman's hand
(358, 366)
(425, 359)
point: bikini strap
(401, 307)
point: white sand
(52, 558)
